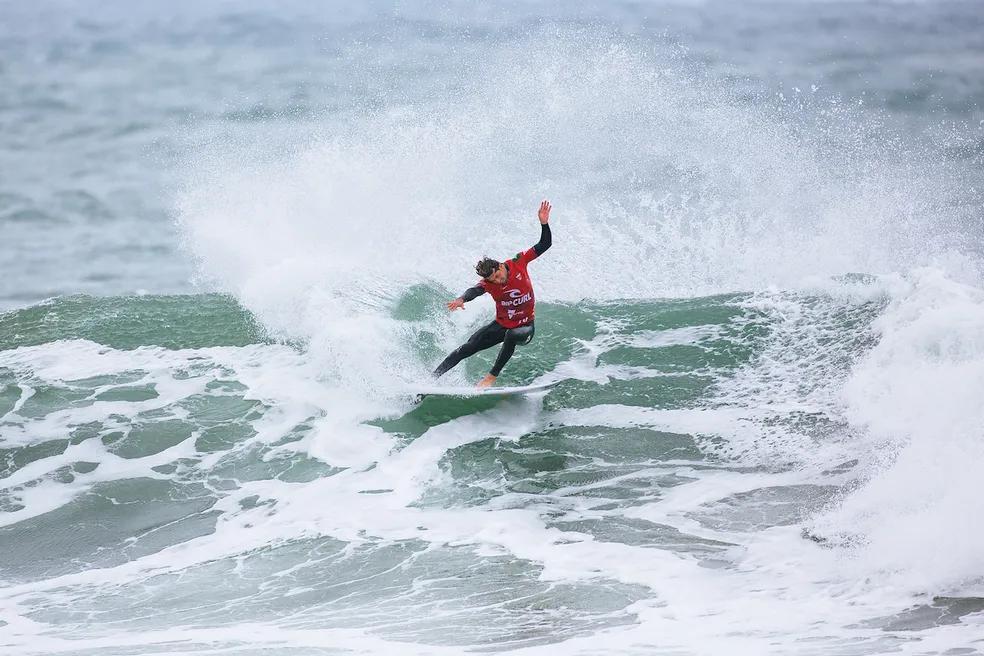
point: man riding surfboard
(509, 284)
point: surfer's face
(499, 275)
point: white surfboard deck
(488, 391)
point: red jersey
(514, 298)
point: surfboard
(488, 391)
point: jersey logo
(516, 297)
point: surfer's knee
(522, 335)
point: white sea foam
(916, 401)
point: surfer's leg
(521, 336)
(483, 338)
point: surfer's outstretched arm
(541, 246)
(470, 294)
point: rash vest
(514, 298)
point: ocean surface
(229, 230)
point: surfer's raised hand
(456, 304)
(544, 212)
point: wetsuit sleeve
(541, 246)
(472, 293)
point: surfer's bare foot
(488, 381)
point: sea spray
(664, 185)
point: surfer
(509, 284)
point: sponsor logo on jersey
(516, 297)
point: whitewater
(765, 310)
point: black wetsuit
(495, 333)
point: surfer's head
(492, 270)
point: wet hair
(486, 267)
